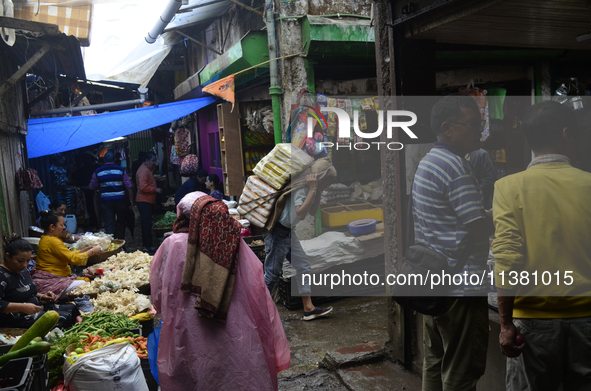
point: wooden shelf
(231, 149)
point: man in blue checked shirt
(447, 206)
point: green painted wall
(250, 51)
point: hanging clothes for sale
(182, 139)
(28, 179)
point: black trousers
(114, 218)
(145, 209)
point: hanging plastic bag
(113, 367)
(297, 131)
(153, 340)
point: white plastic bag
(114, 367)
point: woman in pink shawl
(199, 353)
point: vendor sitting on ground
(19, 298)
(53, 258)
(214, 186)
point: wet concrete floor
(353, 321)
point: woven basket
(104, 255)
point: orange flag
(224, 88)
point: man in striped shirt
(113, 182)
(447, 206)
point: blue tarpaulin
(54, 135)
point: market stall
(116, 310)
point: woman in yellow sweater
(53, 271)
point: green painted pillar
(275, 93)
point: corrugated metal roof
(517, 23)
(64, 58)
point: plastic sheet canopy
(53, 135)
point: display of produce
(103, 323)
(99, 239)
(123, 260)
(93, 342)
(123, 301)
(282, 162)
(169, 202)
(166, 221)
(55, 357)
(40, 328)
(113, 280)
(121, 271)
(256, 201)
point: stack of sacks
(281, 163)
(256, 201)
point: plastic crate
(258, 250)
(17, 375)
(40, 370)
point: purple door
(209, 141)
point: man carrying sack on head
(300, 198)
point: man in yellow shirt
(542, 249)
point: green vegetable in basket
(167, 220)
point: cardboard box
(71, 20)
(340, 214)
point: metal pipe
(275, 91)
(171, 9)
(143, 94)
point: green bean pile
(104, 324)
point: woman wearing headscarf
(220, 327)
